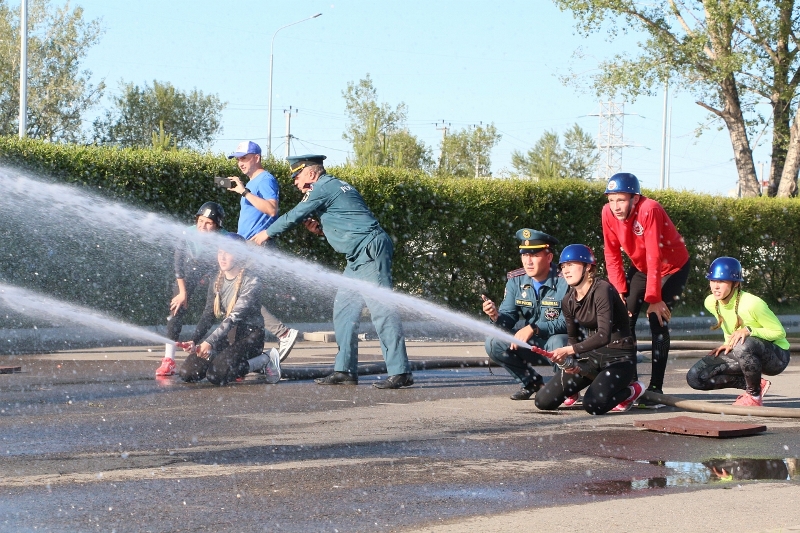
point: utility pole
(477, 152)
(610, 140)
(23, 69)
(444, 129)
(669, 147)
(289, 129)
(662, 177)
(269, 104)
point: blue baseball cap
(244, 148)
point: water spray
(101, 217)
(33, 304)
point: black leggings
(229, 364)
(606, 390)
(671, 291)
(191, 281)
(741, 368)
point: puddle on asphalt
(684, 474)
(474, 494)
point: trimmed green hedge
(454, 237)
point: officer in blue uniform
(333, 208)
(533, 293)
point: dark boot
(395, 382)
(339, 378)
(527, 391)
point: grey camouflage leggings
(741, 368)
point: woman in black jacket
(601, 354)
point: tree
(731, 54)
(468, 152)
(580, 151)
(404, 150)
(378, 133)
(58, 91)
(548, 159)
(543, 161)
(161, 140)
(192, 119)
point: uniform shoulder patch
(516, 273)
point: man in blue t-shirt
(259, 209)
(259, 204)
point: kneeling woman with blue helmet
(755, 341)
(602, 353)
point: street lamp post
(271, 46)
(23, 69)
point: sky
(464, 63)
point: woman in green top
(755, 341)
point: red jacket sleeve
(613, 252)
(653, 221)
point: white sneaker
(287, 343)
(273, 367)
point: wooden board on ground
(319, 336)
(10, 369)
(686, 425)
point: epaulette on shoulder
(516, 273)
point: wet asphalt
(96, 444)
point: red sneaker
(745, 400)
(572, 400)
(637, 388)
(167, 367)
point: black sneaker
(526, 391)
(395, 382)
(339, 378)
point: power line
(321, 146)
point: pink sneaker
(572, 400)
(745, 400)
(637, 388)
(167, 367)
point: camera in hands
(223, 182)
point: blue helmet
(725, 269)
(623, 182)
(577, 252)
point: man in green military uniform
(534, 293)
(333, 208)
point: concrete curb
(38, 340)
(368, 369)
